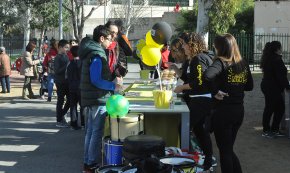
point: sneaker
(61, 125)
(278, 133)
(268, 134)
(25, 98)
(213, 161)
(49, 99)
(76, 127)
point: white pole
(60, 19)
(105, 7)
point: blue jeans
(95, 122)
(50, 83)
(5, 83)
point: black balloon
(161, 32)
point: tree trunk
(1, 37)
(202, 18)
(27, 28)
(41, 43)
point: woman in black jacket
(230, 76)
(197, 90)
(273, 84)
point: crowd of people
(87, 73)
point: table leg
(185, 130)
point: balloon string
(159, 76)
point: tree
(203, 17)
(45, 17)
(76, 10)
(24, 7)
(131, 12)
(8, 20)
(188, 20)
(244, 22)
(222, 15)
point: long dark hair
(269, 51)
(30, 46)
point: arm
(250, 83)
(213, 70)
(281, 73)
(28, 58)
(96, 76)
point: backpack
(18, 63)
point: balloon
(150, 55)
(161, 32)
(151, 42)
(117, 106)
(140, 44)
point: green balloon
(117, 106)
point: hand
(178, 89)
(118, 87)
(119, 80)
(171, 65)
(220, 95)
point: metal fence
(251, 46)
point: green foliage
(9, 20)
(222, 15)
(187, 23)
(46, 15)
(244, 22)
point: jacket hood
(89, 46)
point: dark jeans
(227, 119)
(5, 83)
(61, 108)
(200, 109)
(274, 104)
(75, 98)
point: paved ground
(30, 142)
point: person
(115, 52)
(72, 43)
(73, 72)
(273, 84)
(125, 48)
(60, 63)
(48, 64)
(27, 70)
(199, 102)
(229, 76)
(5, 71)
(96, 85)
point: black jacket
(274, 74)
(229, 79)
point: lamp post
(60, 19)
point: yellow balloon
(150, 55)
(150, 41)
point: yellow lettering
(199, 77)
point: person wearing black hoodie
(96, 87)
(229, 76)
(273, 84)
(199, 97)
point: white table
(177, 109)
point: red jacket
(164, 57)
(48, 57)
